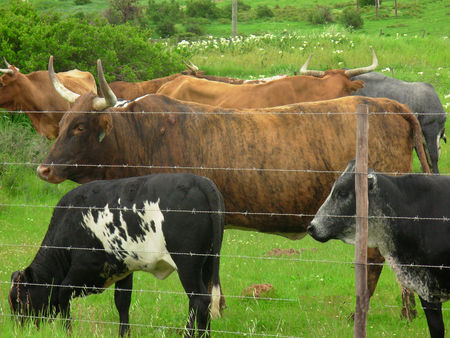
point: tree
(127, 9)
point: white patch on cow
(147, 252)
(214, 309)
(124, 103)
(417, 279)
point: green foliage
(82, 2)
(165, 15)
(351, 18)
(27, 39)
(320, 15)
(242, 7)
(127, 10)
(202, 9)
(263, 11)
(364, 3)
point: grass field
(314, 288)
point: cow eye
(79, 128)
(342, 194)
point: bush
(27, 40)
(263, 11)
(364, 3)
(82, 2)
(320, 15)
(351, 18)
(202, 9)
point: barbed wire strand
(69, 248)
(240, 111)
(205, 168)
(213, 212)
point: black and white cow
(103, 231)
(409, 221)
(420, 97)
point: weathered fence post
(362, 293)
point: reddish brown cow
(321, 85)
(293, 149)
(133, 90)
(34, 92)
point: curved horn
(363, 70)
(304, 70)
(6, 63)
(108, 99)
(191, 66)
(59, 87)
(6, 71)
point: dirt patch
(258, 290)
(288, 252)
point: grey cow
(420, 97)
(409, 222)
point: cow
(274, 161)
(409, 222)
(311, 86)
(132, 90)
(33, 93)
(103, 231)
(421, 98)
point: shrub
(27, 40)
(82, 2)
(364, 3)
(320, 15)
(263, 11)
(351, 18)
(202, 9)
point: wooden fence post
(362, 293)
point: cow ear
(371, 181)
(105, 122)
(356, 85)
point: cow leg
(122, 298)
(433, 312)
(375, 260)
(192, 280)
(64, 296)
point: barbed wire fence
(243, 213)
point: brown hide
(266, 139)
(287, 90)
(35, 92)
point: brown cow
(322, 85)
(34, 92)
(289, 156)
(133, 90)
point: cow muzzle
(47, 173)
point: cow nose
(311, 230)
(43, 171)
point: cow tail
(418, 143)
(217, 206)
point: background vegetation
(314, 288)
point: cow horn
(304, 70)
(363, 70)
(59, 87)
(6, 63)
(108, 99)
(191, 66)
(6, 71)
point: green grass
(320, 294)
